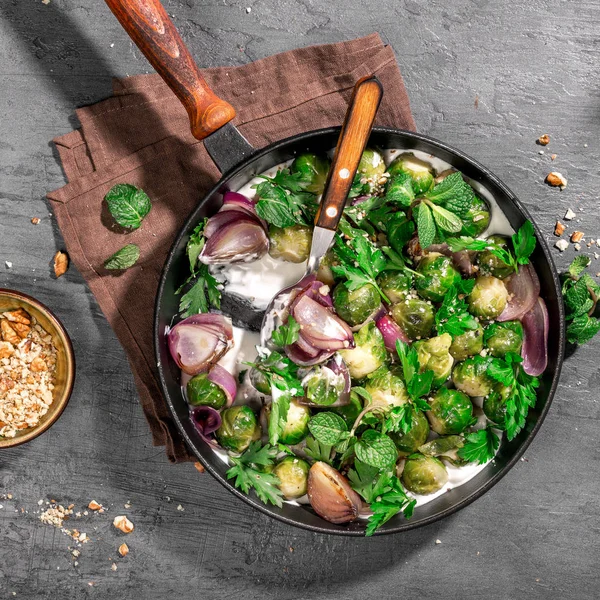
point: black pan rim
(492, 481)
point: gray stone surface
(532, 65)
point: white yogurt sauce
(260, 280)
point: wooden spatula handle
(351, 143)
(149, 26)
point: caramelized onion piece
(535, 339)
(331, 496)
(523, 288)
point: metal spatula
(355, 132)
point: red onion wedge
(462, 260)
(535, 339)
(304, 359)
(236, 200)
(225, 380)
(241, 240)
(391, 332)
(524, 289)
(206, 420)
(195, 346)
(223, 218)
(320, 327)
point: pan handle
(354, 135)
(149, 26)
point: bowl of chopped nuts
(37, 368)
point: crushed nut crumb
(555, 179)
(562, 245)
(122, 523)
(199, 467)
(61, 263)
(577, 236)
(569, 215)
(35, 221)
(544, 139)
(559, 229)
(553, 156)
(123, 549)
(93, 505)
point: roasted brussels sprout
(355, 306)
(501, 338)
(488, 298)
(434, 356)
(419, 171)
(314, 170)
(202, 392)
(325, 272)
(415, 317)
(322, 386)
(470, 377)
(260, 382)
(446, 446)
(438, 275)
(292, 473)
(451, 411)
(494, 405)
(399, 230)
(371, 166)
(386, 389)
(291, 244)
(394, 284)
(489, 264)
(467, 344)
(239, 427)
(477, 219)
(296, 424)
(407, 443)
(424, 474)
(369, 353)
(399, 190)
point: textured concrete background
(533, 66)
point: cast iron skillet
(151, 29)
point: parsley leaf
(453, 316)
(248, 476)
(280, 406)
(123, 259)
(317, 450)
(480, 446)
(400, 190)
(286, 334)
(280, 372)
(128, 205)
(195, 245)
(203, 293)
(398, 419)
(417, 384)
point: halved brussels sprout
(322, 386)
(325, 272)
(494, 405)
(488, 298)
(477, 219)
(292, 473)
(394, 284)
(434, 355)
(387, 389)
(260, 382)
(470, 377)
(451, 411)
(489, 264)
(407, 443)
(314, 169)
(501, 338)
(467, 344)
(438, 275)
(415, 317)
(291, 244)
(296, 424)
(239, 427)
(371, 166)
(202, 392)
(446, 446)
(355, 306)
(369, 353)
(424, 474)
(420, 172)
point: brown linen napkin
(141, 136)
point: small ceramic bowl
(64, 375)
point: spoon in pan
(355, 132)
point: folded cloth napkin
(141, 136)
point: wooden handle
(149, 26)
(351, 144)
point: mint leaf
(128, 205)
(453, 193)
(400, 190)
(123, 259)
(286, 334)
(579, 264)
(273, 205)
(480, 446)
(327, 428)
(425, 225)
(376, 449)
(446, 220)
(524, 242)
(582, 329)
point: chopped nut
(114, 567)
(8, 332)
(544, 140)
(35, 221)
(555, 179)
(553, 156)
(559, 229)
(18, 316)
(562, 245)
(577, 236)
(569, 215)
(6, 349)
(21, 330)
(38, 365)
(577, 247)
(122, 523)
(61, 263)
(93, 505)
(199, 467)
(123, 549)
